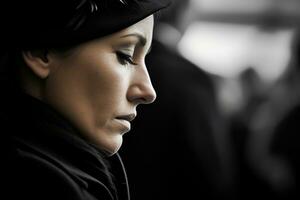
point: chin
(111, 147)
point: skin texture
(96, 84)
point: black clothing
(42, 157)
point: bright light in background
(228, 49)
(269, 53)
(232, 6)
(216, 47)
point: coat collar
(38, 128)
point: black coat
(42, 157)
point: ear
(38, 62)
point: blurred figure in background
(252, 91)
(284, 146)
(178, 148)
(252, 95)
(273, 144)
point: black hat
(56, 23)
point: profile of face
(99, 84)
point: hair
(8, 69)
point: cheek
(105, 86)
(88, 93)
(67, 91)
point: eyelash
(125, 59)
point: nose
(141, 90)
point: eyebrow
(141, 40)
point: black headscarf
(56, 23)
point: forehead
(143, 27)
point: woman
(71, 83)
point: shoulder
(33, 174)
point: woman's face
(100, 84)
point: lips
(125, 120)
(128, 118)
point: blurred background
(249, 50)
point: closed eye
(125, 59)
